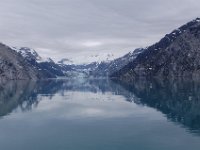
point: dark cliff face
(176, 55)
(13, 66)
(178, 100)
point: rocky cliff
(175, 55)
(13, 66)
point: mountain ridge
(14, 66)
(175, 55)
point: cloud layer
(68, 28)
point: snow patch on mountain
(87, 59)
(31, 54)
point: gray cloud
(67, 28)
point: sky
(77, 29)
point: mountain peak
(30, 54)
(175, 55)
(27, 53)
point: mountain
(47, 66)
(66, 67)
(175, 55)
(88, 58)
(77, 71)
(28, 53)
(14, 66)
(83, 65)
(107, 68)
(177, 99)
(98, 68)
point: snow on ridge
(30, 53)
(87, 59)
(25, 52)
(84, 59)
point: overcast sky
(68, 28)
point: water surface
(99, 115)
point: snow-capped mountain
(88, 59)
(175, 55)
(14, 66)
(30, 54)
(46, 65)
(27, 53)
(109, 67)
(83, 65)
(95, 65)
(101, 65)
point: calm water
(99, 115)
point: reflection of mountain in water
(13, 94)
(179, 101)
(26, 94)
(23, 94)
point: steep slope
(46, 66)
(108, 68)
(98, 68)
(13, 65)
(176, 55)
(28, 53)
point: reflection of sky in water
(80, 105)
(98, 115)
